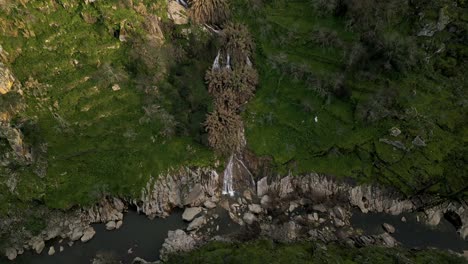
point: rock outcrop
(177, 241)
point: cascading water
(216, 62)
(228, 178)
(228, 63)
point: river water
(411, 233)
(143, 236)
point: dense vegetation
(311, 253)
(115, 93)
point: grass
(261, 251)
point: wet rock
(249, 218)
(11, 253)
(111, 225)
(388, 240)
(255, 208)
(88, 234)
(51, 251)
(177, 241)
(388, 228)
(209, 204)
(119, 224)
(190, 213)
(196, 223)
(37, 244)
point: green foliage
(311, 253)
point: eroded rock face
(185, 187)
(177, 241)
(6, 79)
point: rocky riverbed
(291, 208)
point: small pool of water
(411, 233)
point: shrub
(225, 131)
(238, 43)
(213, 12)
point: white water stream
(228, 178)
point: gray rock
(177, 241)
(319, 207)
(255, 208)
(339, 212)
(293, 206)
(118, 224)
(111, 225)
(403, 219)
(196, 223)
(11, 253)
(196, 196)
(433, 217)
(395, 132)
(388, 240)
(463, 232)
(37, 244)
(190, 213)
(262, 187)
(249, 218)
(51, 251)
(265, 201)
(209, 204)
(76, 234)
(417, 141)
(88, 234)
(61, 249)
(389, 228)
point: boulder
(118, 224)
(190, 213)
(51, 251)
(37, 244)
(195, 196)
(388, 240)
(111, 225)
(76, 234)
(340, 212)
(177, 13)
(177, 241)
(11, 253)
(265, 201)
(255, 208)
(196, 223)
(262, 187)
(88, 234)
(61, 249)
(388, 228)
(433, 217)
(249, 218)
(209, 204)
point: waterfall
(228, 63)
(249, 63)
(216, 63)
(228, 177)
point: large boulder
(88, 234)
(196, 196)
(177, 241)
(196, 223)
(190, 213)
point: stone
(51, 251)
(6, 79)
(111, 225)
(319, 207)
(338, 222)
(76, 234)
(177, 241)
(395, 132)
(195, 196)
(433, 217)
(115, 87)
(88, 234)
(61, 248)
(262, 187)
(293, 206)
(37, 244)
(388, 228)
(418, 142)
(339, 212)
(118, 224)
(249, 218)
(196, 223)
(209, 204)
(11, 253)
(265, 201)
(388, 240)
(255, 208)
(403, 219)
(177, 13)
(190, 213)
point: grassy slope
(280, 119)
(269, 252)
(95, 142)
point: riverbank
(288, 209)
